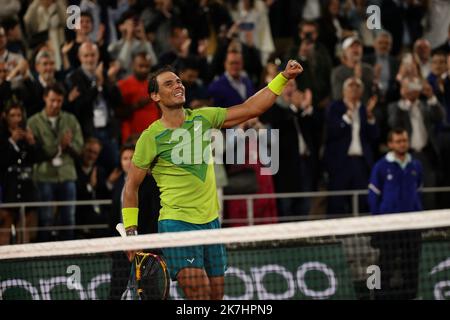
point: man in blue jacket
(394, 187)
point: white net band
(272, 232)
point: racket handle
(121, 229)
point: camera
(246, 26)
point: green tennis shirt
(181, 162)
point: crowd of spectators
(74, 101)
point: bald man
(93, 99)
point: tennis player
(188, 190)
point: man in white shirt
(419, 118)
(351, 133)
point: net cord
(268, 232)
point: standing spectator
(6, 92)
(438, 19)
(14, 35)
(229, 41)
(384, 64)
(394, 187)
(48, 15)
(32, 89)
(351, 133)
(158, 21)
(403, 19)
(252, 17)
(316, 63)
(92, 184)
(334, 28)
(133, 41)
(84, 33)
(385, 68)
(10, 8)
(94, 102)
(205, 20)
(233, 87)
(16, 65)
(446, 45)
(149, 206)
(293, 115)
(60, 135)
(139, 111)
(19, 152)
(422, 54)
(196, 91)
(419, 119)
(179, 42)
(352, 66)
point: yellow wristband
(130, 217)
(277, 84)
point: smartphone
(246, 26)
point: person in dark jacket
(394, 187)
(94, 102)
(149, 207)
(351, 132)
(19, 151)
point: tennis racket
(149, 278)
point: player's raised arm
(263, 99)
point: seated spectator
(133, 40)
(48, 15)
(19, 152)
(59, 134)
(234, 86)
(94, 103)
(92, 184)
(351, 132)
(195, 91)
(422, 54)
(138, 110)
(70, 49)
(419, 118)
(352, 66)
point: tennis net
(396, 256)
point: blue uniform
(394, 187)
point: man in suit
(384, 64)
(351, 132)
(233, 87)
(295, 117)
(94, 103)
(32, 90)
(419, 118)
